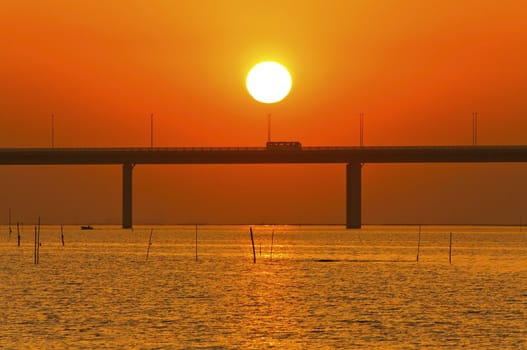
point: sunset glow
(416, 71)
(237, 174)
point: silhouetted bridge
(353, 157)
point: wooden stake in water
(35, 250)
(10, 223)
(18, 233)
(252, 241)
(450, 250)
(196, 242)
(272, 241)
(418, 244)
(38, 241)
(149, 244)
(62, 234)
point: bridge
(352, 157)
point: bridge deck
(258, 155)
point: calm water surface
(323, 287)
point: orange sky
(417, 69)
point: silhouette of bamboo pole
(62, 234)
(450, 250)
(418, 243)
(10, 230)
(38, 241)
(149, 244)
(18, 233)
(252, 241)
(196, 242)
(272, 241)
(35, 250)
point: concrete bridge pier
(353, 195)
(127, 195)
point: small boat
(86, 227)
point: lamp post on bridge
(52, 131)
(474, 128)
(361, 138)
(152, 130)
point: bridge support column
(353, 195)
(127, 195)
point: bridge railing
(233, 149)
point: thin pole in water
(418, 243)
(252, 241)
(272, 241)
(18, 233)
(35, 250)
(10, 230)
(196, 242)
(38, 241)
(149, 244)
(62, 234)
(450, 250)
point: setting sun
(268, 82)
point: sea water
(312, 287)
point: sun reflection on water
(325, 287)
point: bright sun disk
(268, 82)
